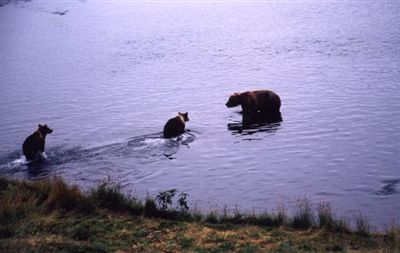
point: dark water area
(106, 76)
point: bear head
(234, 100)
(44, 129)
(184, 116)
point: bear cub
(35, 142)
(175, 126)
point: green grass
(108, 195)
(362, 226)
(52, 216)
(304, 216)
(186, 242)
(325, 216)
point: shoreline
(51, 216)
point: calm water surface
(106, 76)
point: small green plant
(182, 202)
(304, 217)
(307, 247)
(14, 208)
(186, 242)
(81, 232)
(362, 225)
(141, 232)
(341, 226)
(265, 219)
(109, 195)
(67, 198)
(280, 217)
(336, 248)
(212, 217)
(164, 199)
(278, 234)
(226, 247)
(237, 216)
(150, 208)
(248, 248)
(325, 216)
(286, 247)
(197, 215)
(392, 236)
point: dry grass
(51, 216)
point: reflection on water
(101, 73)
(249, 129)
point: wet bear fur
(35, 142)
(175, 126)
(257, 106)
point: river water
(106, 76)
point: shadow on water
(141, 149)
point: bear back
(35, 142)
(175, 126)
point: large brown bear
(175, 126)
(35, 142)
(257, 106)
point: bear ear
(39, 126)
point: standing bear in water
(35, 142)
(175, 126)
(257, 106)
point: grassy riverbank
(51, 216)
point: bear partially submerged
(35, 143)
(175, 126)
(257, 106)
